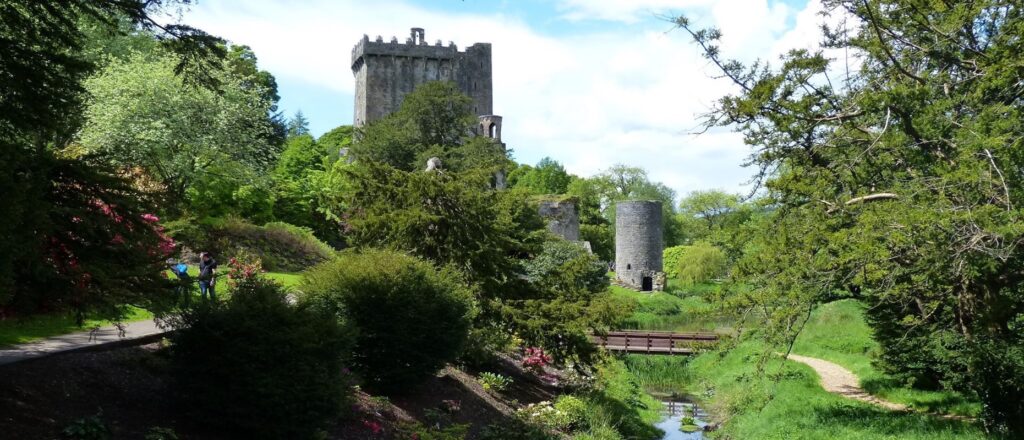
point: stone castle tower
(387, 71)
(638, 245)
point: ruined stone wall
(638, 244)
(561, 217)
(386, 72)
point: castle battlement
(409, 48)
(387, 71)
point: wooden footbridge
(641, 341)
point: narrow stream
(681, 413)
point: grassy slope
(837, 332)
(787, 401)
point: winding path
(79, 340)
(839, 380)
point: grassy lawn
(837, 332)
(32, 328)
(285, 278)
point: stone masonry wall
(387, 71)
(562, 218)
(638, 244)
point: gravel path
(77, 340)
(839, 380)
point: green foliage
(601, 238)
(435, 120)
(47, 204)
(515, 429)
(670, 260)
(337, 138)
(671, 312)
(299, 179)
(897, 185)
(448, 218)
(570, 300)
(548, 177)
(197, 129)
(411, 318)
(665, 375)
(621, 182)
(259, 366)
(617, 404)
(95, 250)
(567, 267)
(701, 263)
(494, 382)
(298, 125)
(88, 428)
(282, 247)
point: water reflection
(676, 412)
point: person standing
(207, 275)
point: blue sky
(590, 83)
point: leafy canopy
(897, 183)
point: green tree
(45, 59)
(897, 183)
(142, 114)
(336, 139)
(435, 120)
(711, 207)
(621, 182)
(448, 218)
(571, 301)
(548, 177)
(298, 125)
(298, 179)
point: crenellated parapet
(387, 71)
(412, 48)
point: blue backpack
(181, 270)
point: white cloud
(628, 11)
(589, 100)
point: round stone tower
(638, 245)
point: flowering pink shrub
(535, 359)
(374, 426)
(244, 269)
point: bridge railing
(653, 341)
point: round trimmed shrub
(259, 366)
(410, 317)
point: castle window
(494, 131)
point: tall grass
(660, 374)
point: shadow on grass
(894, 423)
